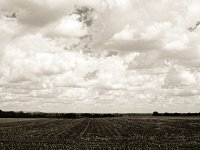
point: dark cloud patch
(13, 15)
(85, 15)
(111, 53)
(191, 29)
(91, 75)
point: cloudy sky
(100, 55)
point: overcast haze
(100, 55)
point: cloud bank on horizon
(100, 55)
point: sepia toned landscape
(99, 75)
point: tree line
(21, 114)
(155, 113)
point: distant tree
(166, 114)
(176, 114)
(1, 113)
(155, 113)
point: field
(101, 133)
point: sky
(102, 56)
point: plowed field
(100, 133)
